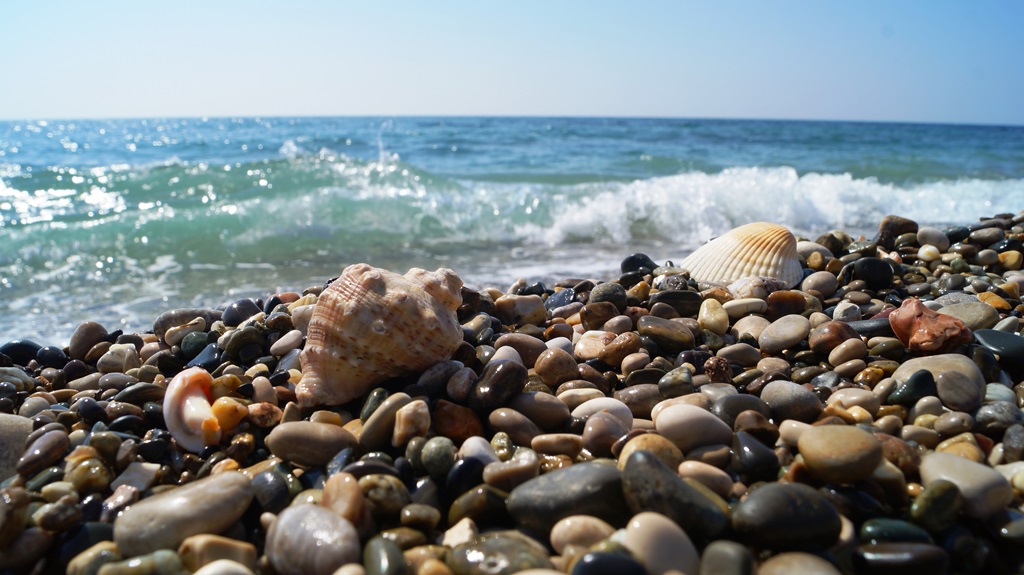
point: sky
(938, 61)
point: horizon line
(522, 116)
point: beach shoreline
(864, 413)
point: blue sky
(937, 61)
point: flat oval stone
(543, 409)
(308, 538)
(840, 453)
(163, 521)
(786, 516)
(689, 427)
(591, 488)
(660, 544)
(788, 400)
(985, 491)
(671, 336)
(784, 333)
(43, 452)
(742, 354)
(738, 308)
(611, 405)
(975, 315)
(308, 442)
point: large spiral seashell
(371, 325)
(756, 249)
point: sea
(119, 220)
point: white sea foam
(690, 208)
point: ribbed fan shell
(756, 249)
(371, 325)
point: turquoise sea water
(119, 220)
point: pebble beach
(864, 418)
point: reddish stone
(926, 331)
(456, 422)
(830, 334)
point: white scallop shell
(757, 249)
(371, 325)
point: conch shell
(371, 325)
(757, 249)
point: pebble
(592, 488)
(966, 385)
(670, 399)
(784, 516)
(14, 431)
(497, 553)
(788, 400)
(43, 452)
(650, 485)
(909, 558)
(578, 532)
(311, 539)
(784, 333)
(555, 366)
(985, 492)
(660, 544)
(725, 557)
(840, 453)
(163, 521)
(307, 442)
(793, 562)
(689, 427)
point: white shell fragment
(756, 249)
(187, 410)
(371, 325)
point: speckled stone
(592, 488)
(650, 485)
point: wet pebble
(163, 521)
(310, 539)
